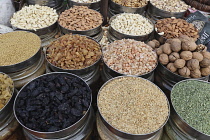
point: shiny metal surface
(124, 9)
(124, 134)
(50, 3)
(165, 79)
(94, 5)
(61, 133)
(184, 126)
(120, 36)
(158, 13)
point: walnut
(173, 56)
(179, 63)
(188, 46)
(206, 54)
(197, 55)
(175, 44)
(184, 38)
(193, 64)
(157, 43)
(196, 73)
(166, 48)
(171, 67)
(205, 71)
(186, 55)
(151, 44)
(159, 50)
(184, 72)
(205, 63)
(163, 58)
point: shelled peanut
(182, 56)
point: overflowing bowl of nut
(92, 4)
(81, 20)
(132, 26)
(128, 6)
(35, 18)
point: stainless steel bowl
(117, 8)
(94, 5)
(116, 34)
(50, 3)
(61, 133)
(183, 125)
(22, 65)
(124, 134)
(6, 111)
(159, 13)
(80, 72)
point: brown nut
(205, 71)
(157, 43)
(188, 46)
(163, 59)
(151, 44)
(175, 44)
(205, 63)
(166, 48)
(179, 63)
(184, 72)
(171, 67)
(197, 55)
(186, 55)
(193, 64)
(196, 73)
(184, 38)
(206, 54)
(159, 50)
(173, 56)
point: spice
(172, 28)
(191, 100)
(132, 24)
(18, 46)
(6, 89)
(129, 57)
(34, 17)
(80, 18)
(52, 102)
(132, 3)
(133, 105)
(73, 52)
(170, 5)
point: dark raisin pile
(52, 102)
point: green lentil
(191, 100)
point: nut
(184, 72)
(205, 63)
(163, 58)
(151, 44)
(193, 64)
(205, 71)
(197, 55)
(173, 56)
(186, 55)
(159, 50)
(166, 48)
(206, 55)
(175, 44)
(157, 43)
(179, 63)
(195, 73)
(171, 67)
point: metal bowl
(120, 36)
(22, 65)
(124, 134)
(50, 3)
(80, 72)
(183, 125)
(90, 32)
(159, 13)
(94, 5)
(159, 37)
(117, 8)
(6, 111)
(61, 133)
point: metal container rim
(29, 57)
(45, 52)
(125, 133)
(83, 2)
(70, 74)
(172, 103)
(129, 6)
(113, 17)
(12, 92)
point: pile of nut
(132, 3)
(34, 17)
(85, 1)
(170, 5)
(80, 18)
(129, 57)
(172, 28)
(132, 24)
(6, 89)
(73, 52)
(182, 56)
